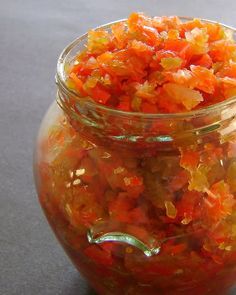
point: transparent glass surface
(141, 203)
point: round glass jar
(141, 203)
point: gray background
(32, 34)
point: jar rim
(60, 80)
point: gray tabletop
(32, 34)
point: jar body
(140, 221)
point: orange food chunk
(183, 95)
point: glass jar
(141, 203)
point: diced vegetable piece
(219, 203)
(171, 210)
(183, 95)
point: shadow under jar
(142, 203)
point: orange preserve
(136, 168)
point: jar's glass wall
(141, 203)
(179, 202)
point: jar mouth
(61, 81)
